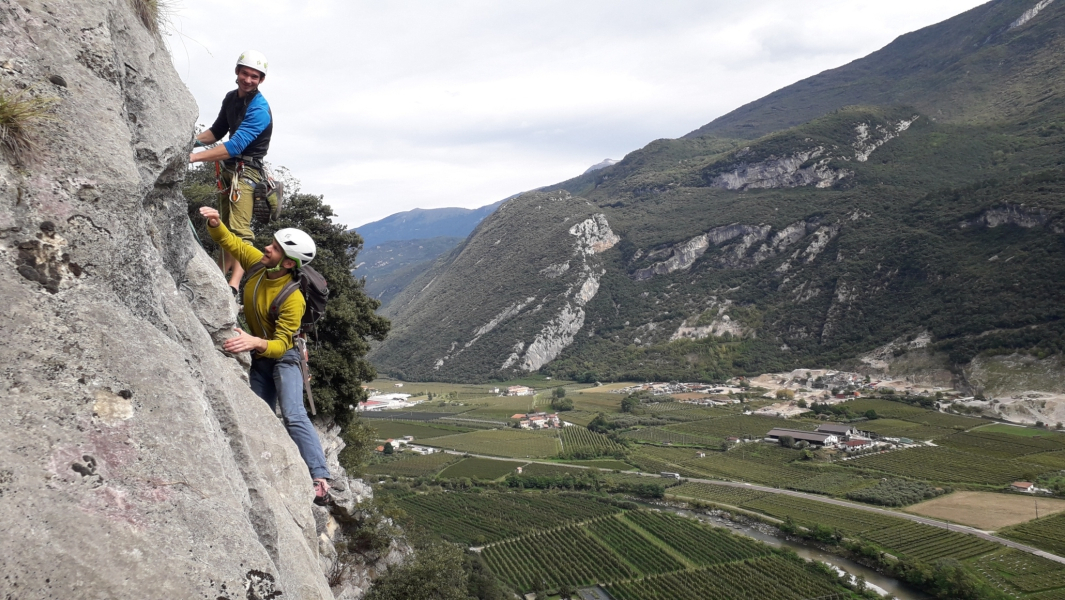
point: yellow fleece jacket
(257, 305)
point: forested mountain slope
(938, 210)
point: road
(826, 500)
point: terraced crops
(732, 496)
(809, 513)
(480, 518)
(579, 441)
(479, 468)
(415, 466)
(633, 547)
(554, 558)
(1015, 571)
(1047, 533)
(698, 543)
(511, 443)
(927, 543)
(945, 465)
(758, 579)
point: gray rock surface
(134, 460)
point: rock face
(134, 460)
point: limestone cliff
(134, 460)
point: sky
(383, 107)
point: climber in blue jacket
(245, 116)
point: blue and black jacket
(249, 123)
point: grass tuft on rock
(151, 12)
(20, 112)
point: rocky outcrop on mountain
(1011, 214)
(784, 172)
(134, 460)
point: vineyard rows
(479, 468)
(580, 439)
(1000, 445)
(1047, 533)
(660, 435)
(479, 518)
(758, 579)
(897, 428)
(511, 443)
(633, 547)
(701, 544)
(1021, 571)
(733, 496)
(555, 558)
(945, 465)
(928, 544)
(811, 512)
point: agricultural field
(775, 576)
(1052, 460)
(722, 494)
(756, 463)
(471, 519)
(987, 510)
(809, 513)
(755, 426)
(830, 481)
(927, 543)
(420, 430)
(510, 443)
(637, 550)
(480, 468)
(1021, 431)
(1014, 572)
(946, 465)
(413, 466)
(661, 435)
(605, 464)
(537, 469)
(1045, 533)
(579, 442)
(595, 402)
(906, 429)
(886, 408)
(1001, 445)
(579, 418)
(947, 421)
(698, 543)
(553, 558)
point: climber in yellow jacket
(275, 365)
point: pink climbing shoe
(321, 492)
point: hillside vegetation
(934, 208)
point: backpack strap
(279, 299)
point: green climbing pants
(235, 198)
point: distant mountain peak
(607, 162)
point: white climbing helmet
(296, 245)
(253, 59)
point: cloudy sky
(387, 106)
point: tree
(801, 403)
(630, 404)
(559, 392)
(871, 415)
(785, 394)
(388, 448)
(435, 573)
(561, 404)
(787, 441)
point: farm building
(519, 390)
(852, 445)
(799, 435)
(1022, 486)
(840, 429)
